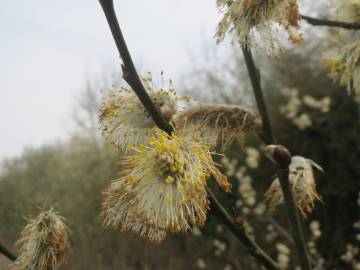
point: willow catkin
(43, 243)
(125, 122)
(256, 23)
(163, 186)
(303, 186)
(220, 123)
(341, 54)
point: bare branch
(294, 219)
(331, 23)
(255, 79)
(239, 231)
(282, 170)
(7, 253)
(130, 74)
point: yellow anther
(169, 180)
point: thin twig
(130, 74)
(237, 229)
(132, 78)
(283, 174)
(7, 253)
(331, 23)
(294, 217)
(255, 79)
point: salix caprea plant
(168, 144)
(44, 243)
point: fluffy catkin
(125, 122)
(162, 187)
(220, 123)
(341, 56)
(43, 243)
(256, 23)
(302, 181)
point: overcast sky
(47, 48)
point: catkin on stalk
(125, 122)
(256, 23)
(43, 243)
(341, 56)
(303, 186)
(163, 186)
(220, 124)
(343, 64)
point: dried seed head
(220, 123)
(255, 22)
(162, 188)
(43, 243)
(125, 122)
(302, 183)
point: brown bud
(239, 222)
(279, 155)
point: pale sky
(48, 47)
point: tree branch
(7, 253)
(331, 23)
(282, 172)
(130, 74)
(239, 231)
(294, 218)
(255, 79)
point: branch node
(280, 155)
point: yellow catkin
(163, 186)
(124, 122)
(255, 23)
(220, 123)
